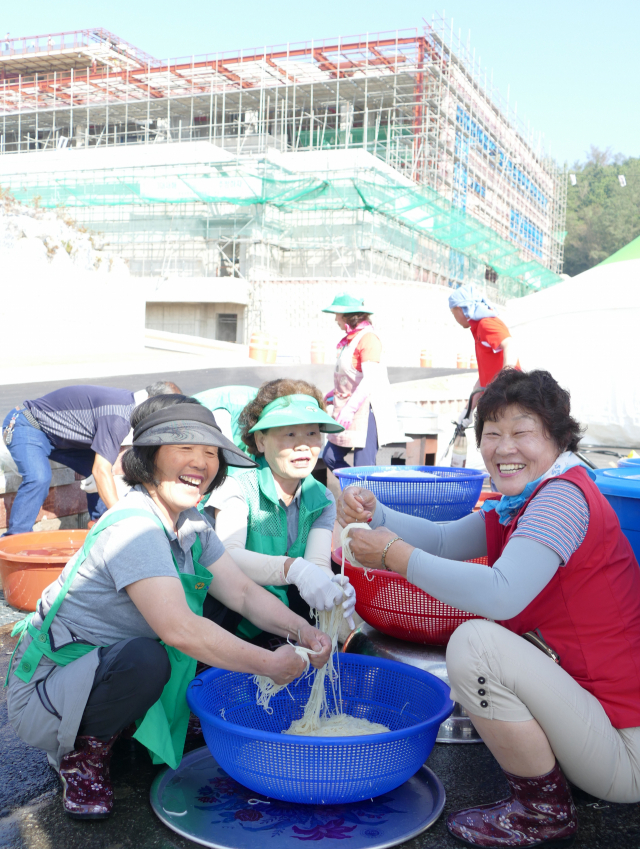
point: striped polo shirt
(558, 517)
(85, 417)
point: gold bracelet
(386, 548)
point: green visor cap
(294, 410)
(345, 304)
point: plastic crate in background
(438, 493)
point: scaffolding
(462, 190)
(253, 218)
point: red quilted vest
(590, 610)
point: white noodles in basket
(267, 688)
(323, 714)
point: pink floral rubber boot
(539, 812)
(87, 793)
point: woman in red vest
(562, 569)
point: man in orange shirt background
(495, 346)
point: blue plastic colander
(438, 493)
(247, 743)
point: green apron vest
(267, 523)
(163, 729)
(233, 399)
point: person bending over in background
(81, 427)
(495, 347)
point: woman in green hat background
(276, 521)
(361, 395)
(116, 638)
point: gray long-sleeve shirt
(438, 564)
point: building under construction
(384, 160)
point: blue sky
(573, 67)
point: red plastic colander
(398, 608)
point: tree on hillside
(602, 216)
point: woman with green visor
(276, 521)
(115, 640)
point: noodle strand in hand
(345, 542)
(323, 713)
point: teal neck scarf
(510, 505)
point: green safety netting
(417, 207)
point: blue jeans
(333, 455)
(31, 452)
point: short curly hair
(533, 392)
(267, 393)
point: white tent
(586, 332)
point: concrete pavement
(31, 814)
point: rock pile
(35, 236)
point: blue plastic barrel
(621, 488)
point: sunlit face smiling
(516, 449)
(183, 473)
(291, 451)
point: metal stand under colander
(365, 640)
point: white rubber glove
(314, 585)
(88, 484)
(465, 422)
(349, 604)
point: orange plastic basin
(30, 562)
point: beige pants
(520, 683)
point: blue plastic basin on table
(438, 493)
(621, 488)
(247, 741)
(623, 462)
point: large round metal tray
(201, 802)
